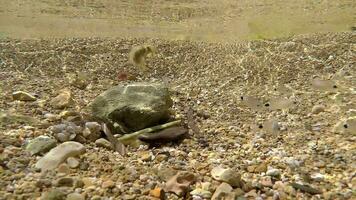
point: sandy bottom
(254, 102)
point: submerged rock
(59, 154)
(133, 107)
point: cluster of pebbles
(274, 120)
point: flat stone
(41, 144)
(59, 154)
(101, 142)
(23, 96)
(227, 175)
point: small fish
(118, 146)
(165, 135)
(324, 85)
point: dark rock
(132, 107)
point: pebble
(53, 194)
(227, 175)
(145, 156)
(73, 162)
(318, 177)
(75, 196)
(41, 144)
(108, 184)
(92, 131)
(223, 191)
(23, 96)
(206, 186)
(318, 109)
(65, 182)
(63, 169)
(306, 188)
(63, 100)
(157, 193)
(266, 182)
(59, 154)
(201, 193)
(101, 142)
(276, 173)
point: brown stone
(157, 193)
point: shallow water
(207, 20)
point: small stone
(223, 191)
(261, 168)
(41, 144)
(63, 137)
(51, 117)
(73, 162)
(266, 182)
(157, 193)
(42, 183)
(101, 142)
(306, 188)
(206, 186)
(53, 194)
(318, 109)
(201, 193)
(145, 156)
(276, 173)
(239, 192)
(92, 131)
(65, 182)
(88, 182)
(226, 175)
(75, 196)
(108, 184)
(63, 100)
(59, 154)
(161, 157)
(63, 168)
(318, 177)
(23, 96)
